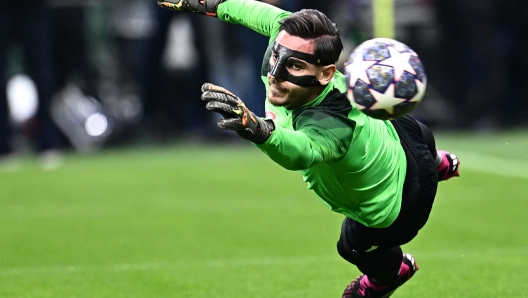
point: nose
(274, 79)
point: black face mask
(279, 69)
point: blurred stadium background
(130, 72)
(143, 202)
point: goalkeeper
(381, 175)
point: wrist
(266, 128)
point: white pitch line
(215, 263)
(246, 262)
(493, 165)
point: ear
(326, 74)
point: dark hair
(313, 24)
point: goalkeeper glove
(205, 7)
(236, 115)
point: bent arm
(257, 16)
(291, 149)
(310, 144)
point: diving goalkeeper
(381, 175)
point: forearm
(257, 16)
(291, 149)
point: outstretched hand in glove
(236, 115)
(205, 7)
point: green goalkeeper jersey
(355, 164)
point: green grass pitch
(224, 221)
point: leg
(376, 251)
(380, 265)
(428, 138)
(384, 268)
(446, 162)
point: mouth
(276, 89)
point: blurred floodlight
(22, 98)
(179, 52)
(96, 124)
(82, 118)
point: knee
(346, 252)
(428, 138)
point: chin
(276, 101)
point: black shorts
(419, 191)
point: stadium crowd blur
(124, 71)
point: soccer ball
(386, 79)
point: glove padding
(205, 7)
(236, 115)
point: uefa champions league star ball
(386, 79)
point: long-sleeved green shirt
(355, 164)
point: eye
(273, 58)
(295, 65)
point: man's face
(287, 94)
